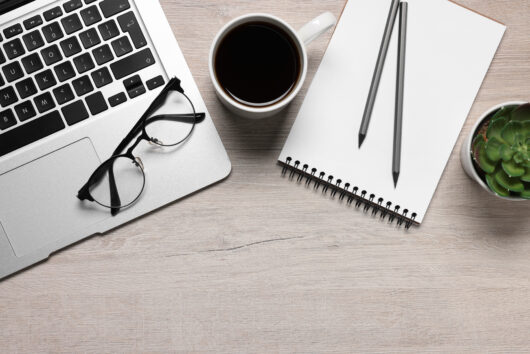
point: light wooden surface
(259, 264)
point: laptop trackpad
(38, 204)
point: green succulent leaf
(495, 129)
(526, 129)
(512, 169)
(506, 152)
(504, 112)
(493, 149)
(518, 158)
(478, 139)
(510, 132)
(526, 176)
(485, 164)
(520, 138)
(525, 194)
(512, 184)
(496, 187)
(521, 113)
(482, 159)
(478, 143)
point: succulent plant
(501, 149)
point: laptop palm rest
(38, 204)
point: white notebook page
(449, 51)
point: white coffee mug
(302, 38)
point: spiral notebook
(449, 51)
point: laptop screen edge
(9, 5)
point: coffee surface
(257, 64)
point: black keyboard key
(7, 120)
(132, 82)
(132, 64)
(75, 112)
(137, 91)
(91, 15)
(2, 82)
(122, 46)
(51, 55)
(45, 79)
(89, 1)
(33, 40)
(82, 86)
(44, 102)
(2, 58)
(26, 88)
(53, 13)
(117, 99)
(13, 31)
(134, 86)
(96, 103)
(64, 71)
(83, 63)
(32, 22)
(113, 7)
(71, 24)
(89, 38)
(31, 132)
(8, 97)
(25, 111)
(108, 30)
(14, 49)
(155, 82)
(13, 71)
(129, 24)
(70, 46)
(32, 63)
(102, 54)
(52, 32)
(101, 77)
(63, 94)
(72, 5)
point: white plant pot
(466, 157)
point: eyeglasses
(118, 182)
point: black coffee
(257, 64)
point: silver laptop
(75, 77)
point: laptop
(75, 77)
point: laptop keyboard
(54, 65)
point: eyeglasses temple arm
(182, 118)
(114, 195)
(83, 193)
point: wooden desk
(257, 264)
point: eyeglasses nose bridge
(138, 162)
(155, 142)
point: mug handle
(317, 27)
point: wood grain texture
(259, 264)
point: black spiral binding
(361, 197)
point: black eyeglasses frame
(140, 128)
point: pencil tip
(361, 139)
(396, 178)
